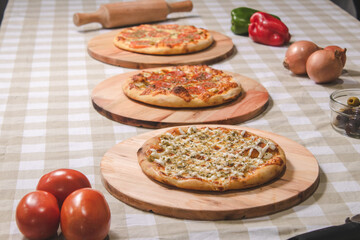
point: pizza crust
(261, 175)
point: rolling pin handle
(184, 6)
(84, 18)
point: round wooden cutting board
(124, 179)
(102, 48)
(110, 101)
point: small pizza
(186, 86)
(211, 158)
(159, 39)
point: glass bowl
(345, 118)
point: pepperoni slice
(208, 85)
(189, 29)
(189, 36)
(179, 74)
(170, 42)
(156, 77)
(161, 84)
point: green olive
(353, 101)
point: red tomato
(62, 182)
(85, 214)
(38, 215)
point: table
(47, 120)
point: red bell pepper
(268, 30)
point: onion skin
(324, 66)
(341, 50)
(297, 55)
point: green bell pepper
(240, 19)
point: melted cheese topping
(197, 81)
(147, 35)
(211, 153)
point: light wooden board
(102, 49)
(110, 101)
(124, 179)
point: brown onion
(324, 66)
(341, 50)
(297, 55)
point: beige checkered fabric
(47, 120)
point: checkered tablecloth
(47, 120)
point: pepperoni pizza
(188, 86)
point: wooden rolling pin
(131, 13)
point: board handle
(85, 18)
(184, 6)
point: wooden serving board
(110, 101)
(102, 48)
(124, 179)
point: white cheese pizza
(211, 158)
